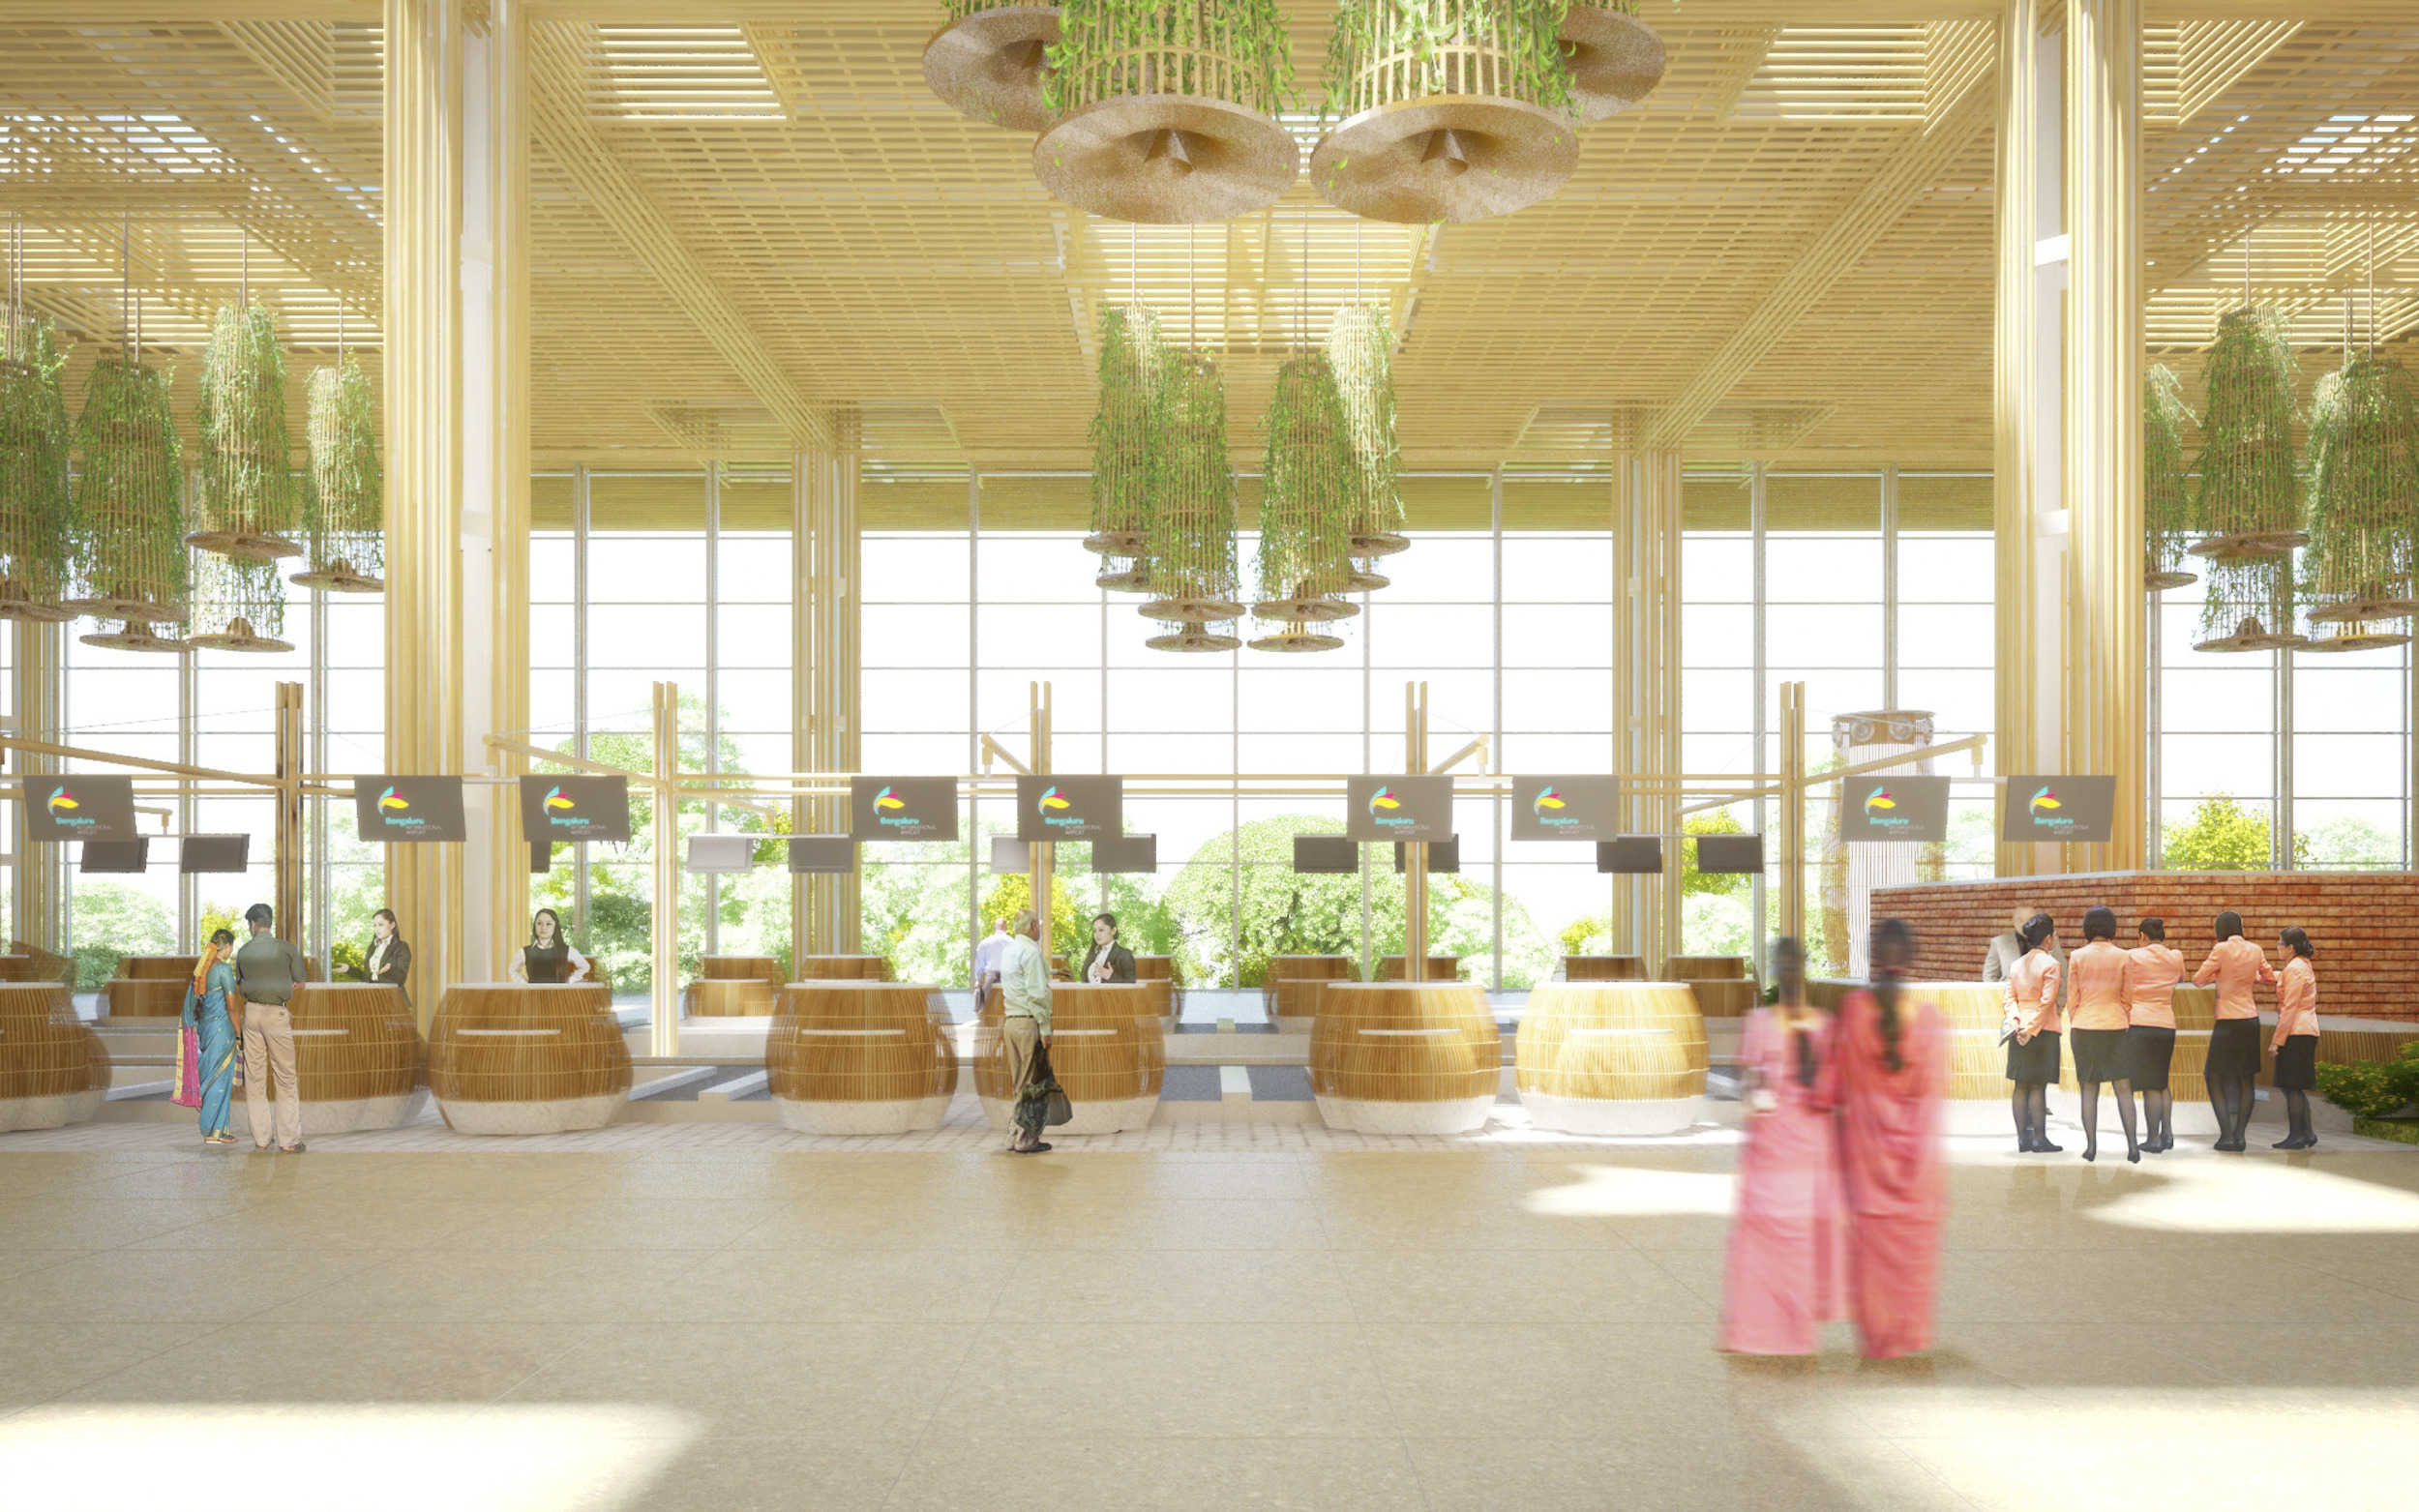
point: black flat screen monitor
(207, 853)
(1318, 854)
(1725, 853)
(1011, 855)
(1126, 853)
(115, 855)
(822, 855)
(1444, 855)
(1631, 854)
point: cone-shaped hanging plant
(2167, 498)
(342, 518)
(2364, 493)
(238, 605)
(1189, 538)
(1360, 342)
(250, 506)
(1507, 47)
(1310, 488)
(35, 503)
(1133, 366)
(128, 524)
(2248, 500)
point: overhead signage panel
(1891, 806)
(1398, 808)
(2058, 809)
(903, 808)
(556, 808)
(1566, 808)
(77, 807)
(1069, 808)
(395, 809)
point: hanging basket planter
(1452, 109)
(342, 522)
(135, 636)
(2364, 502)
(35, 504)
(2167, 499)
(128, 531)
(239, 604)
(1361, 347)
(1133, 366)
(990, 61)
(1615, 59)
(2249, 504)
(1310, 490)
(1190, 536)
(1165, 111)
(249, 506)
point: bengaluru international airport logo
(891, 810)
(2047, 811)
(1057, 810)
(2045, 804)
(1550, 808)
(394, 811)
(557, 798)
(1881, 811)
(1386, 809)
(391, 800)
(64, 809)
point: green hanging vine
(1386, 51)
(2249, 492)
(2167, 495)
(1189, 540)
(1133, 370)
(36, 505)
(248, 492)
(1360, 346)
(1311, 486)
(1235, 50)
(343, 520)
(2363, 485)
(128, 523)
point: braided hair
(1893, 944)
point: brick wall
(2364, 924)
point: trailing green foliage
(2167, 497)
(2248, 479)
(128, 524)
(1235, 50)
(227, 589)
(2364, 483)
(246, 450)
(1311, 485)
(1361, 347)
(2372, 1089)
(1386, 51)
(36, 505)
(1133, 369)
(1190, 538)
(342, 511)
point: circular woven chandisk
(1167, 160)
(1445, 157)
(1615, 59)
(989, 66)
(2249, 546)
(1298, 640)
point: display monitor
(1069, 808)
(115, 855)
(401, 809)
(1576, 807)
(1010, 856)
(1444, 855)
(813, 855)
(716, 854)
(78, 806)
(903, 808)
(1398, 808)
(575, 808)
(1319, 854)
(2058, 809)
(1631, 854)
(207, 854)
(1126, 853)
(1716, 854)
(1885, 805)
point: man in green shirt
(267, 970)
(1025, 990)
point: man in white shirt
(987, 953)
(1024, 1008)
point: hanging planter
(1615, 59)
(239, 604)
(1133, 365)
(343, 523)
(2249, 501)
(990, 61)
(1312, 485)
(128, 529)
(1189, 538)
(2167, 497)
(135, 636)
(1165, 111)
(2364, 494)
(35, 504)
(249, 505)
(1451, 110)
(1360, 346)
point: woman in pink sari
(1785, 1270)
(1892, 1069)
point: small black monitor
(1319, 855)
(822, 855)
(1724, 853)
(115, 855)
(541, 857)
(1126, 853)
(205, 854)
(1010, 856)
(1444, 855)
(1636, 855)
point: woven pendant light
(1360, 346)
(1451, 110)
(1133, 365)
(1310, 488)
(2166, 496)
(1165, 111)
(1190, 537)
(34, 501)
(249, 506)
(2249, 501)
(343, 523)
(239, 604)
(1615, 59)
(2364, 505)
(128, 524)
(990, 58)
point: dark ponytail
(2297, 941)
(1804, 1042)
(1894, 945)
(2040, 927)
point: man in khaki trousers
(1025, 1006)
(267, 970)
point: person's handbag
(1055, 1110)
(187, 1068)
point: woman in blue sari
(209, 1006)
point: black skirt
(2100, 1054)
(2148, 1052)
(2297, 1064)
(2037, 1061)
(2233, 1049)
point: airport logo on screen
(2059, 808)
(1069, 808)
(903, 808)
(1895, 806)
(62, 809)
(1566, 807)
(81, 807)
(399, 810)
(1399, 808)
(575, 808)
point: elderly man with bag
(1025, 1034)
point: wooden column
(2013, 384)
(1646, 634)
(664, 993)
(38, 892)
(825, 671)
(2101, 441)
(288, 860)
(1041, 857)
(1415, 852)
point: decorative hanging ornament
(341, 522)
(135, 636)
(1615, 59)
(990, 59)
(249, 505)
(1133, 367)
(239, 604)
(1360, 346)
(1165, 111)
(1452, 109)
(2364, 504)
(2249, 503)
(1190, 537)
(1310, 489)
(128, 525)
(2167, 498)
(35, 504)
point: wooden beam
(557, 123)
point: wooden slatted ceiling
(897, 263)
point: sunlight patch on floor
(2256, 1195)
(1634, 1192)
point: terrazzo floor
(668, 1322)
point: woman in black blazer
(389, 958)
(1107, 961)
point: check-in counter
(843, 969)
(733, 987)
(147, 987)
(1441, 969)
(52, 1067)
(1288, 991)
(1611, 1057)
(1108, 1052)
(1604, 968)
(1404, 1058)
(861, 1057)
(519, 1057)
(358, 1062)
